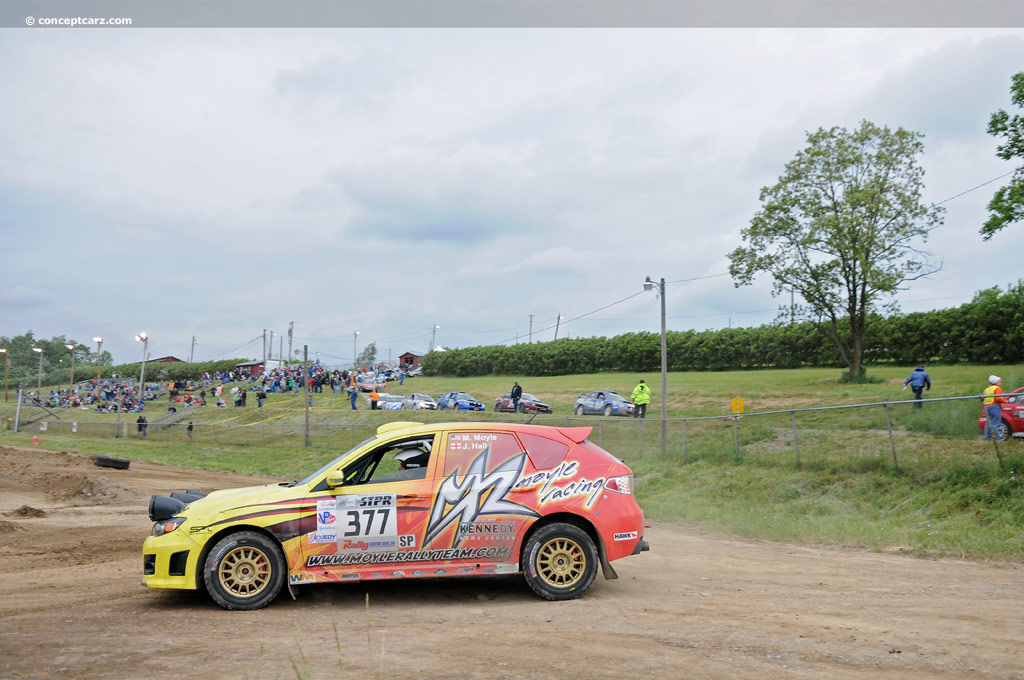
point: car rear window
(544, 453)
(597, 450)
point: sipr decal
(478, 494)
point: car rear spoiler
(576, 434)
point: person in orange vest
(373, 400)
(993, 407)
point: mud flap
(607, 569)
(291, 591)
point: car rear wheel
(522, 408)
(559, 562)
(1003, 431)
(607, 409)
(579, 409)
(245, 570)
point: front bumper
(170, 561)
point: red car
(1012, 424)
(369, 385)
(527, 404)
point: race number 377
(373, 517)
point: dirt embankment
(696, 606)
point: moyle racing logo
(477, 495)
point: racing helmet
(412, 458)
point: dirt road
(697, 606)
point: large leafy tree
(368, 356)
(839, 228)
(1007, 205)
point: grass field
(932, 487)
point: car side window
(464, 448)
(395, 461)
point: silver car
(416, 401)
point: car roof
(573, 434)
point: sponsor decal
(465, 570)
(506, 568)
(548, 492)
(357, 545)
(350, 577)
(471, 442)
(315, 537)
(626, 535)
(326, 515)
(398, 574)
(477, 494)
(407, 541)
(490, 553)
(440, 572)
(197, 530)
(486, 530)
(302, 578)
(417, 572)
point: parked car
(460, 401)
(603, 402)
(417, 401)
(527, 404)
(1012, 424)
(390, 402)
(369, 384)
(413, 501)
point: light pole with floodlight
(4, 352)
(99, 343)
(71, 388)
(355, 364)
(144, 339)
(648, 285)
(39, 385)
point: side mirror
(335, 479)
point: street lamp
(4, 352)
(39, 385)
(72, 348)
(355, 365)
(99, 343)
(144, 339)
(648, 285)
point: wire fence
(797, 432)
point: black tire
(559, 562)
(522, 409)
(112, 462)
(607, 410)
(1003, 431)
(579, 409)
(245, 570)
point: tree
(1007, 206)
(838, 229)
(368, 356)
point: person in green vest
(641, 397)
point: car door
(474, 517)
(372, 520)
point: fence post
(640, 431)
(892, 441)
(796, 445)
(600, 431)
(736, 434)
(684, 441)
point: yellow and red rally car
(448, 499)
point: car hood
(228, 499)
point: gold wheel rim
(244, 571)
(561, 562)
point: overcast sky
(215, 183)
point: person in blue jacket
(352, 394)
(918, 381)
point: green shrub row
(989, 329)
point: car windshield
(528, 397)
(333, 462)
(463, 395)
(393, 397)
(611, 396)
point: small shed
(250, 367)
(410, 359)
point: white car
(389, 402)
(416, 401)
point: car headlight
(168, 525)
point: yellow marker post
(737, 404)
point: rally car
(603, 402)
(1012, 422)
(527, 404)
(459, 401)
(447, 499)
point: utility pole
(280, 348)
(192, 354)
(305, 384)
(558, 321)
(433, 335)
(291, 325)
(531, 329)
(264, 349)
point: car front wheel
(1003, 431)
(579, 409)
(608, 409)
(245, 570)
(559, 562)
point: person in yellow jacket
(641, 397)
(993, 407)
